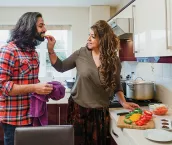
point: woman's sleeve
(118, 78)
(67, 64)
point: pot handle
(131, 86)
(139, 78)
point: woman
(98, 78)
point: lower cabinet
(62, 114)
(112, 141)
(57, 114)
(118, 135)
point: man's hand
(43, 88)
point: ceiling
(58, 3)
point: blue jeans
(9, 131)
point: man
(19, 67)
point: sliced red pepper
(148, 117)
(142, 116)
(139, 123)
(148, 112)
(144, 119)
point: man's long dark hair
(25, 30)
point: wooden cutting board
(121, 124)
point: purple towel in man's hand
(58, 91)
(38, 106)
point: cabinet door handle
(59, 115)
(134, 26)
(167, 11)
(114, 133)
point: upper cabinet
(152, 19)
(168, 4)
(127, 12)
(152, 27)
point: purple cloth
(38, 106)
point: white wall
(160, 73)
(112, 11)
(122, 4)
(98, 13)
(77, 17)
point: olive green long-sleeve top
(88, 90)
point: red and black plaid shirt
(16, 67)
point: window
(4, 36)
(63, 48)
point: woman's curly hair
(108, 47)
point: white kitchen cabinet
(126, 13)
(169, 23)
(118, 134)
(150, 35)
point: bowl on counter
(158, 108)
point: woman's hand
(51, 43)
(130, 105)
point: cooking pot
(140, 90)
(70, 83)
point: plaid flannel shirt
(16, 67)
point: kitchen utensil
(121, 124)
(122, 113)
(158, 135)
(140, 89)
(158, 108)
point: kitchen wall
(122, 4)
(78, 17)
(160, 73)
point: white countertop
(135, 136)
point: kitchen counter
(133, 136)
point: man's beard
(38, 39)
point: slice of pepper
(148, 117)
(138, 110)
(131, 113)
(148, 112)
(139, 123)
(127, 121)
(127, 116)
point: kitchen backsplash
(160, 73)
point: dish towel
(38, 106)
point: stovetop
(116, 104)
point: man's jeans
(8, 134)
(9, 131)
